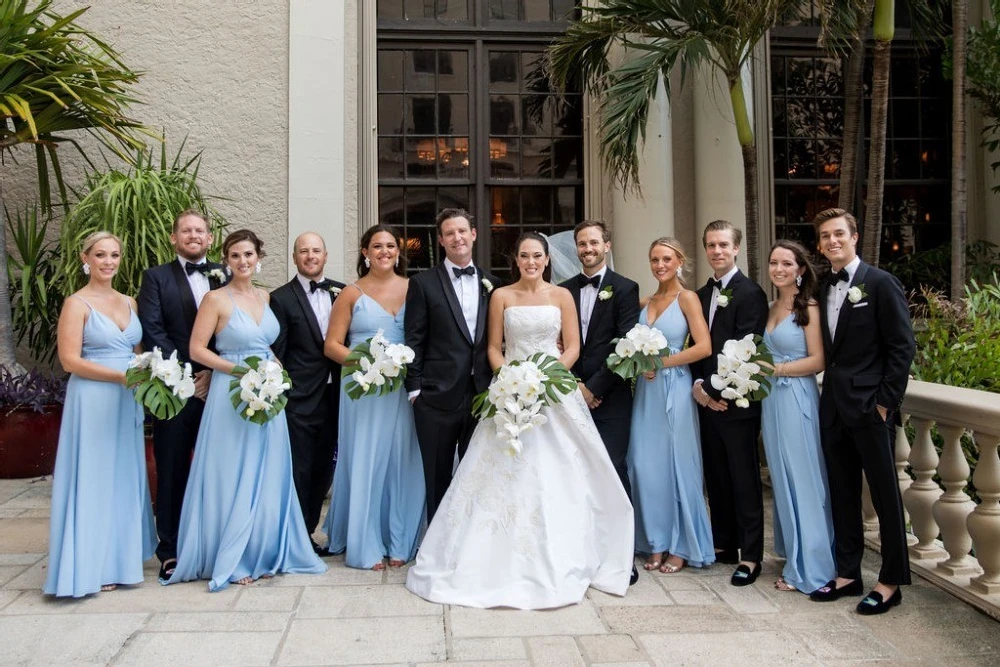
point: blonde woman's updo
(675, 245)
(95, 238)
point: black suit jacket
(435, 328)
(868, 359)
(167, 309)
(745, 313)
(611, 318)
(299, 346)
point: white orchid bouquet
(518, 393)
(259, 390)
(376, 366)
(741, 377)
(161, 385)
(638, 351)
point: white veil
(562, 253)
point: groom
(869, 346)
(445, 324)
(607, 305)
(168, 303)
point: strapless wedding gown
(531, 531)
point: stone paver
(352, 617)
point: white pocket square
(861, 305)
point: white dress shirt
(197, 280)
(837, 294)
(714, 304)
(467, 290)
(320, 302)
(588, 299)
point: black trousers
(732, 478)
(850, 449)
(441, 433)
(313, 439)
(614, 422)
(173, 445)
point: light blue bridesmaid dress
(102, 520)
(377, 502)
(241, 515)
(664, 457)
(803, 528)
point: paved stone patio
(352, 617)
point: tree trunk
(744, 132)
(876, 154)
(853, 87)
(7, 357)
(959, 205)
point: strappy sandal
(653, 562)
(107, 588)
(783, 585)
(672, 568)
(396, 563)
(379, 566)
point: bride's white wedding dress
(531, 531)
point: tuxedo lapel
(484, 305)
(705, 296)
(188, 305)
(847, 308)
(600, 306)
(824, 297)
(456, 307)
(310, 315)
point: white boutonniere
(725, 295)
(487, 285)
(606, 293)
(334, 290)
(857, 293)
(217, 275)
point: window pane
(504, 10)
(504, 157)
(537, 158)
(453, 71)
(390, 206)
(390, 158)
(563, 10)
(390, 114)
(390, 71)
(455, 10)
(537, 10)
(389, 9)
(536, 208)
(422, 67)
(503, 114)
(503, 71)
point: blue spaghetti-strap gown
(664, 457)
(102, 520)
(377, 501)
(241, 516)
(803, 528)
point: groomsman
(445, 324)
(734, 306)
(869, 346)
(168, 302)
(302, 307)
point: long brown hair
(807, 290)
(366, 239)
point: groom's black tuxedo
(867, 364)
(449, 368)
(167, 309)
(314, 399)
(611, 318)
(729, 439)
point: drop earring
(397, 260)
(229, 271)
(86, 269)
(680, 272)
(368, 263)
(258, 269)
(798, 281)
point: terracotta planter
(28, 442)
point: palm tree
(55, 77)
(656, 36)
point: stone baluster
(868, 514)
(903, 461)
(984, 521)
(954, 505)
(919, 498)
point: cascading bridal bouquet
(638, 351)
(740, 376)
(161, 385)
(259, 390)
(376, 367)
(518, 393)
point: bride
(530, 531)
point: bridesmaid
(803, 529)
(102, 520)
(664, 453)
(240, 519)
(377, 501)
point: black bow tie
(199, 268)
(322, 284)
(835, 278)
(712, 282)
(470, 270)
(594, 281)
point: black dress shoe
(744, 576)
(167, 568)
(873, 603)
(728, 556)
(830, 592)
(634, 578)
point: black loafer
(167, 568)
(873, 603)
(728, 556)
(634, 578)
(744, 576)
(830, 592)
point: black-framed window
(467, 118)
